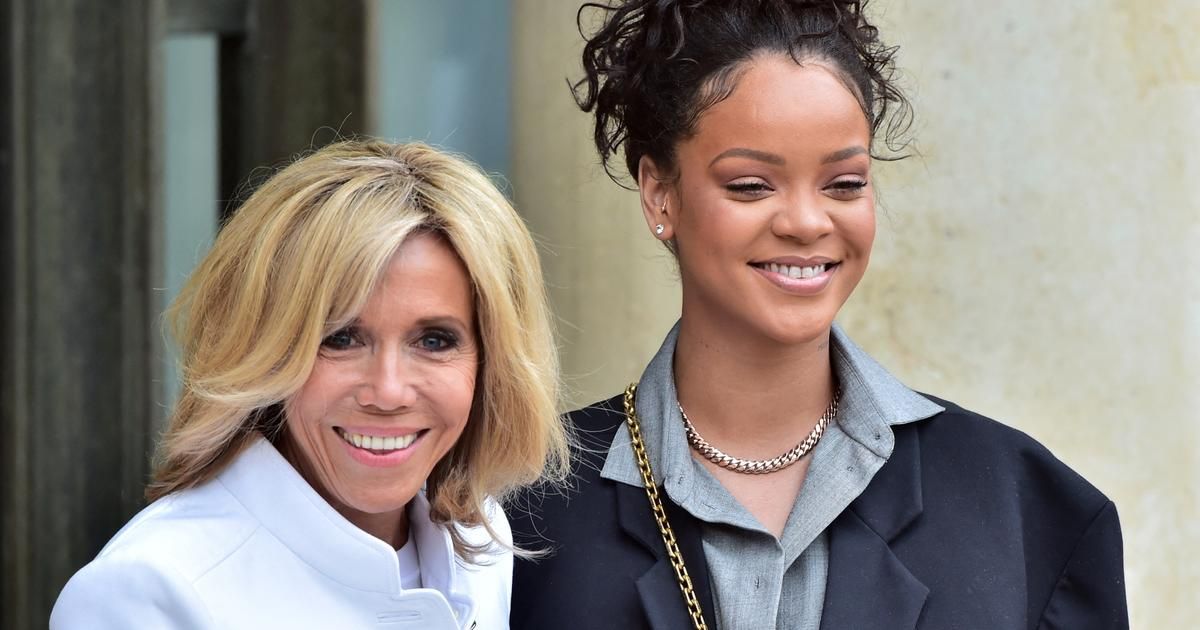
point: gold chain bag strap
(660, 515)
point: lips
(801, 277)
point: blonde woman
(368, 367)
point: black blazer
(969, 525)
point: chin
(799, 330)
(379, 503)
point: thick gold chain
(660, 514)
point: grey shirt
(759, 581)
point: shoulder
(588, 563)
(1000, 510)
(543, 515)
(127, 592)
(192, 531)
(598, 421)
(592, 429)
(585, 508)
(978, 449)
(146, 574)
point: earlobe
(655, 195)
(662, 230)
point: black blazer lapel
(869, 588)
(658, 587)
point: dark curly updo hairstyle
(654, 66)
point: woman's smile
(809, 278)
(379, 449)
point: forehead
(779, 105)
(423, 276)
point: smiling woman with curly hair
(765, 472)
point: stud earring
(660, 228)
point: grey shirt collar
(872, 402)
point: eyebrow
(777, 160)
(438, 321)
(761, 156)
(432, 321)
(844, 154)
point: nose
(389, 382)
(802, 218)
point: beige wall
(613, 286)
(1039, 262)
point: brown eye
(847, 188)
(748, 188)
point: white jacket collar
(285, 504)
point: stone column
(81, 226)
(78, 141)
(292, 80)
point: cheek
(454, 387)
(702, 216)
(325, 388)
(868, 232)
(712, 231)
(859, 229)
(301, 415)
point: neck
(756, 395)
(389, 527)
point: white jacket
(257, 547)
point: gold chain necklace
(760, 466)
(660, 514)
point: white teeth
(793, 271)
(378, 443)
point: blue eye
(437, 341)
(342, 339)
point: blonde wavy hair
(299, 260)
